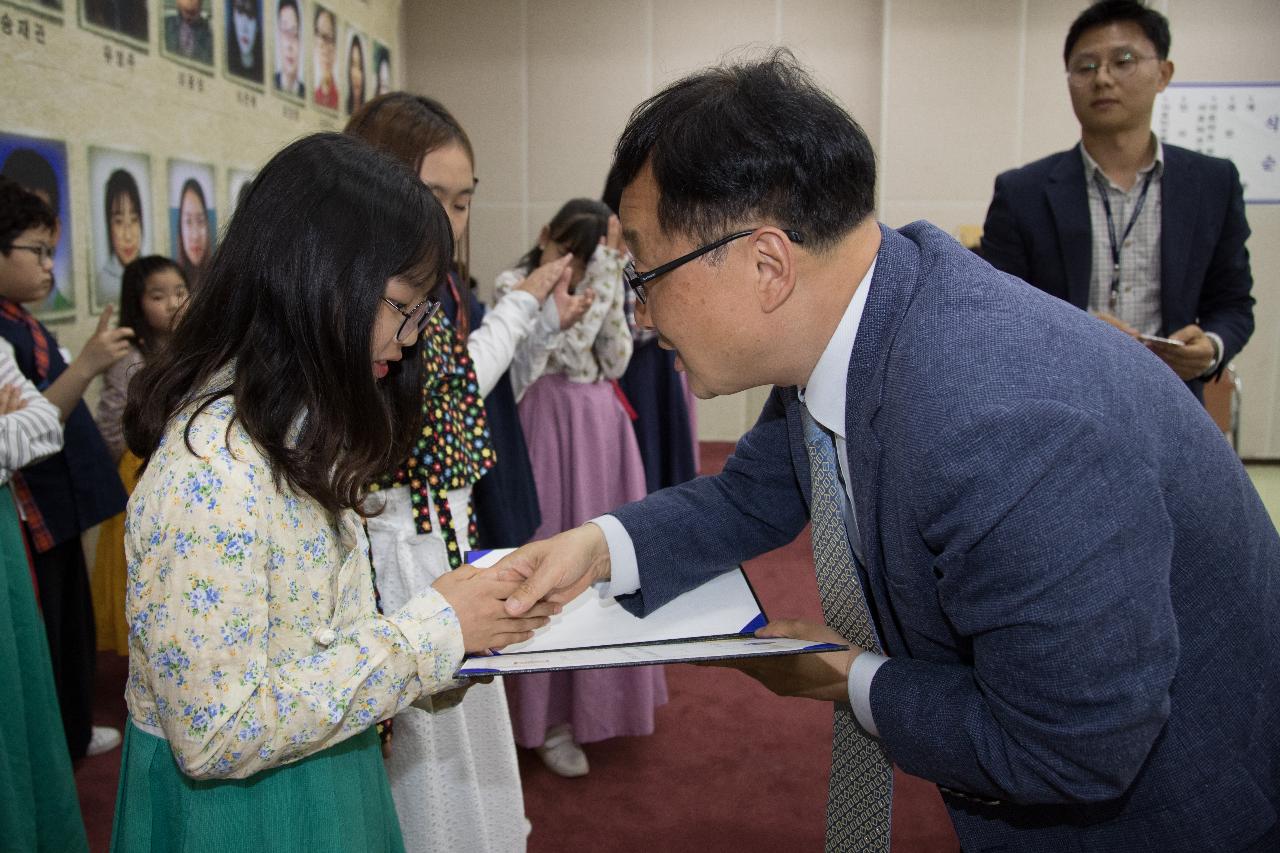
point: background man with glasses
(1149, 237)
(1063, 611)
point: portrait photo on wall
(187, 32)
(289, 78)
(193, 222)
(126, 20)
(51, 9)
(324, 41)
(355, 70)
(238, 181)
(382, 69)
(244, 42)
(119, 219)
(40, 165)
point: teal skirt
(39, 810)
(337, 800)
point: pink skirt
(585, 463)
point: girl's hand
(477, 597)
(11, 400)
(571, 306)
(547, 277)
(106, 346)
(613, 238)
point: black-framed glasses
(44, 253)
(415, 318)
(638, 281)
(1120, 65)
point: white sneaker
(562, 756)
(103, 739)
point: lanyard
(1114, 296)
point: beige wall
(951, 92)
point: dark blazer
(1038, 228)
(1076, 583)
(77, 487)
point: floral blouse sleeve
(613, 343)
(254, 639)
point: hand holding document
(716, 621)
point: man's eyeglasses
(45, 253)
(638, 281)
(1120, 65)
(415, 318)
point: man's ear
(774, 257)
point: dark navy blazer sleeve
(687, 534)
(1002, 245)
(1051, 551)
(1226, 301)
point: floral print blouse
(596, 347)
(254, 640)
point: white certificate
(714, 621)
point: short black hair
(32, 170)
(747, 144)
(119, 183)
(1154, 25)
(290, 299)
(21, 210)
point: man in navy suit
(1074, 586)
(1147, 236)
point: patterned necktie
(39, 342)
(861, 787)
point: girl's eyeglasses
(415, 318)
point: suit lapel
(1179, 194)
(1068, 201)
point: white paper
(676, 652)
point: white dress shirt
(824, 396)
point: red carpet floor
(730, 768)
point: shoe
(103, 739)
(562, 756)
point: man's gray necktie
(861, 787)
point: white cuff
(863, 670)
(549, 318)
(624, 571)
(1218, 349)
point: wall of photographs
(140, 121)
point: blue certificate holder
(715, 621)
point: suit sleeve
(1226, 300)
(687, 534)
(1053, 552)
(1002, 245)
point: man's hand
(818, 675)
(476, 596)
(555, 570)
(1190, 360)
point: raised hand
(548, 277)
(106, 347)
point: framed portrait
(125, 20)
(186, 33)
(120, 219)
(244, 38)
(355, 70)
(383, 78)
(193, 220)
(49, 9)
(289, 78)
(40, 165)
(238, 181)
(324, 40)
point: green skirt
(337, 800)
(39, 810)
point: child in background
(585, 463)
(123, 206)
(75, 489)
(453, 767)
(258, 664)
(152, 295)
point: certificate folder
(715, 621)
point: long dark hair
(290, 298)
(409, 127)
(119, 183)
(577, 227)
(133, 286)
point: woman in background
(585, 463)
